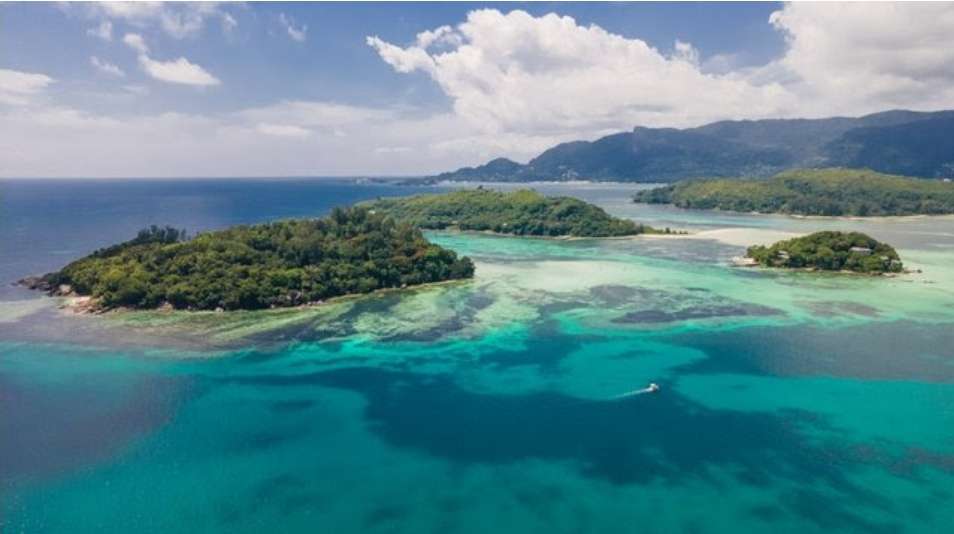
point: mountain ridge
(914, 143)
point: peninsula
(829, 251)
(524, 212)
(278, 264)
(832, 192)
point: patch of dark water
(839, 309)
(897, 350)
(632, 441)
(48, 430)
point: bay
(789, 401)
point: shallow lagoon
(790, 401)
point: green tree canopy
(276, 264)
(830, 251)
(522, 212)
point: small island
(280, 264)
(827, 192)
(524, 212)
(829, 251)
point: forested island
(829, 192)
(522, 212)
(278, 264)
(376, 245)
(830, 251)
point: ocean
(790, 402)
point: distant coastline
(835, 192)
(895, 141)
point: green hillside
(897, 141)
(812, 192)
(522, 212)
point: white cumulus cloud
(106, 67)
(136, 42)
(177, 71)
(18, 88)
(403, 59)
(181, 71)
(549, 75)
(104, 31)
(863, 57)
(299, 33)
(177, 19)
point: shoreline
(740, 237)
(902, 218)
(85, 305)
(474, 183)
(858, 218)
(552, 237)
(826, 272)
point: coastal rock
(36, 283)
(82, 305)
(43, 283)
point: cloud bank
(179, 20)
(523, 75)
(19, 88)
(549, 75)
(862, 57)
(516, 84)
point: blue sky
(407, 88)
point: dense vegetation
(247, 267)
(830, 251)
(924, 148)
(812, 192)
(523, 212)
(644, 154)
(900, 142)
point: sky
(396, 89)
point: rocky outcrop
(43, 283)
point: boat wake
(651, 388)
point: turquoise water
(790, 402)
